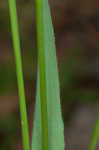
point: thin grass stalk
(40, 44)
(17, 53)
(95, 136)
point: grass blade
(95, 136)
(43, 98)
(51, 91)
(16, 44)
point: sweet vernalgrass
(17, 53)
(95, 136)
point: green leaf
(54, 117)
(95, 136)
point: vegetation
(48, 125)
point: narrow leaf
(54, 118)
(95, 136)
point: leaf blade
(55, 123)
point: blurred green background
(77, 40)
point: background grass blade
(55, 123)
(16, 44)
(95, 136)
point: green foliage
(48, 133)
(95, 136)
(54, 124)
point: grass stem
(17, 53)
